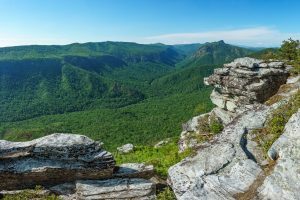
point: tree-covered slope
(215, 53)
(112, 91)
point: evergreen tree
(289, 49)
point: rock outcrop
(72, 166)
(246, 81)
(283, 182)
(237, 86)
(230, 163)
(222, 167)
(63, 157)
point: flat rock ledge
(128, 188)
(73, 167)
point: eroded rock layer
(246, 81)
(51, 160)
(231, 164)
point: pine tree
(289, 49)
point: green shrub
(161, 158)
(166, 194)
(275, 126)
(216, 126)
(31, 194)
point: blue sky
(243, 22)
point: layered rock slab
(51, 160)
(246, 81)
(126, 188)
(237, 86)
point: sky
(257, 23)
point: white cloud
(257, 36)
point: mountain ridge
(107, 77)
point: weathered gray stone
(63, 189)
(131, 189)
(190, 130)
(162, 143)
(134, 170)
(246, 81)
(224, 166)
(126, 148)
(283, 182)
(225, 116)
(51, 160)
(244, 62)
(276, 64)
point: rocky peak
(246, 81)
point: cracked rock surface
(51, 160)
(223, 167)
(284, 181)
(230, 163)
(73, 167)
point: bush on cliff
(161, 158)
(166, 194)
(275, 126)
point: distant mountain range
(47, 80)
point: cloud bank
(257, 36)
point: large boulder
(51, 160)
(283, 182)
(246, 81)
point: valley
(115, 92)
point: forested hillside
(116, 92)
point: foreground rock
(116, 189)
(63, 157)
(72, 167)
(224, 166)
(228, 166)
(283, 183)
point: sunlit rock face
(283, 182)
(72, 167)
(237, 87)
(52, 159)
(246, 81)
(230, 162)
